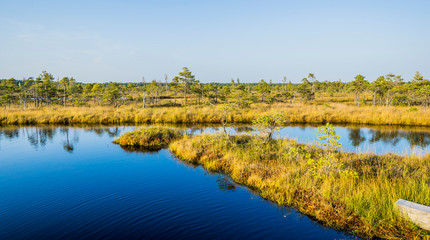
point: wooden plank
(417, 213)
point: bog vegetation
(354, 192)
(388, 99)
(348, 191)
(149, 138)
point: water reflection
(356, 137)
(100, 191)
(375, 139)
(68, 144)
(10, 133)
(391, 137)
(225, 184)
(38, 137)
(140, 149)
(387, 136)
(419, 139)
(195, 130)
(243, 129)
(100, 131)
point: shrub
(327, 163)
(268, 123)
(413, 109)
(227, 110)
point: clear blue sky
(101, 41)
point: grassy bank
(284, 172)
(297, 113)
(149, 138)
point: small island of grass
(149, 138)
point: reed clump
(149, 138)
(336, 113)
(357, 194)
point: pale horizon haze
(102, 41)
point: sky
(218, 40)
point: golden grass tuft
(149, 138)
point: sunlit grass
(298, 113)
(150, 138)
(280, 171)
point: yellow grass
(150, 138)
(280, 171)
(297, 113)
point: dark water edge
(75, 184)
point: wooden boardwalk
(417, 213)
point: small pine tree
(328, 163)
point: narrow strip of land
(294, 113)
(357, 192)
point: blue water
(73, 183)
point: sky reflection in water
(74, 183)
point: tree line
(185, 89)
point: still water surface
(73, 183)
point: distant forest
(184, 89)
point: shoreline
(289, 184)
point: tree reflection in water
(38, 137)
(356, 137)
(114, 132)
(195, 130)
(243, 129)
(10, 133)
(389, 136)
(421, 139)
(224, 183)
(68, 145)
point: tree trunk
(185, 93)
(156, 99)
(357, 99)
(46, 97)
(64, 95)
